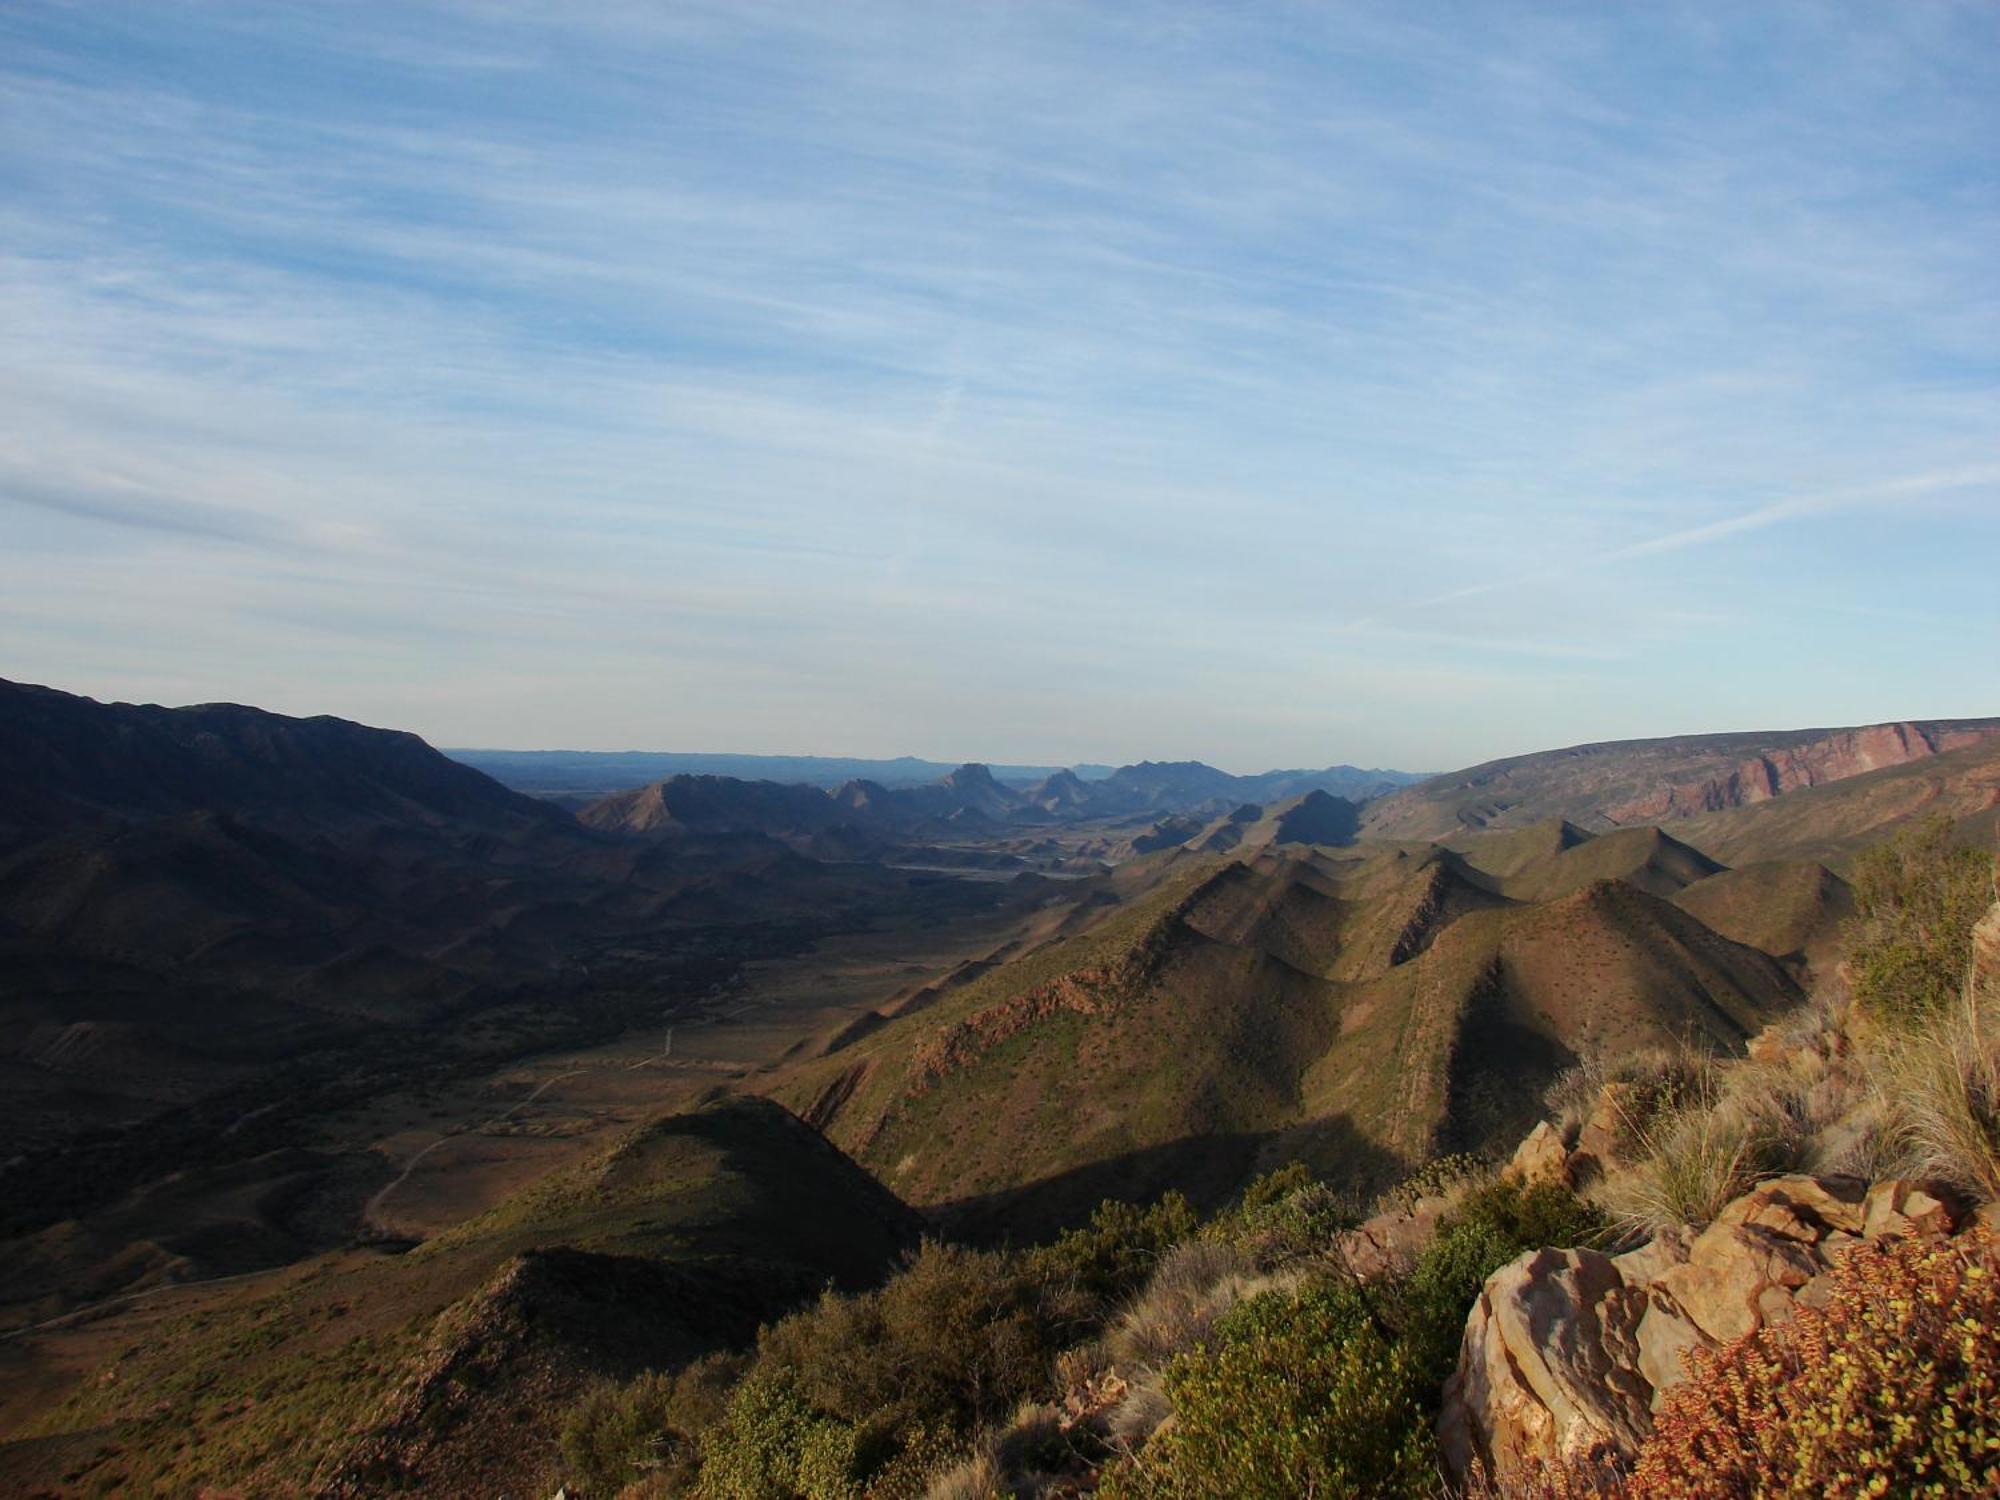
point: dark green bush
(1439, 1174)
(648, 1425)
(1916, 898)
(1275, 1186)
(774, 1445)
(1302, 1394)
(1531, 1217)
(1112, 1256)
(1335, 1391)
(1492, 1226)
(1286, 1215)
(868, 1393)
(615, 1432)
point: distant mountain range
(972, 799)
(578, 776)
(589, 774)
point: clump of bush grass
(1195, 1285)
(1735, 1126)
(1941, 1092)
(1031, 1452)
(1656, 1081)
(1916, 898)
(1331, 1386)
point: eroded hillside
(1355, 1009)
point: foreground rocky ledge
(1568, 1353)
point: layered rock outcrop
(1567, 1353)
(1775, 772)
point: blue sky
(1274, 384)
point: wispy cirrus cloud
(751, 374)
(1980, 481)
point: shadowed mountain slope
(1791, 908)
(1643, 857)
(66, 761)
(1311, 818)
(444, 1371)
(683, 804)
(216, 921)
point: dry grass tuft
(1143, 1411)
(1735, 1125)
(977, 1478)
(1195, 1284)
(1657, 1079)
(1941, 1095)
(1023, 1458)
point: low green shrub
(615, 1433)
(1492, 1226)
(1304, 1394)
(774, 1445)
(1112, 1256)
(1334, 1389)
(1437, 1177)
(649, 1425)
(1916, 898)
(1287, 1217)
(864, 1393)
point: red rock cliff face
(1762, 777)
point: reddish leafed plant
(1890, 1387)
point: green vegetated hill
(445, 1370)
(1359, 1009)
(1794, 908)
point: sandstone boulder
(1568, 1352)
(1736, 1279)
(1899, 1207)
(1650, 1261)
(1549, 1367)
(1389, 1243)
(1540, 1158)
(1601, 1141)
(1800, 1208)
